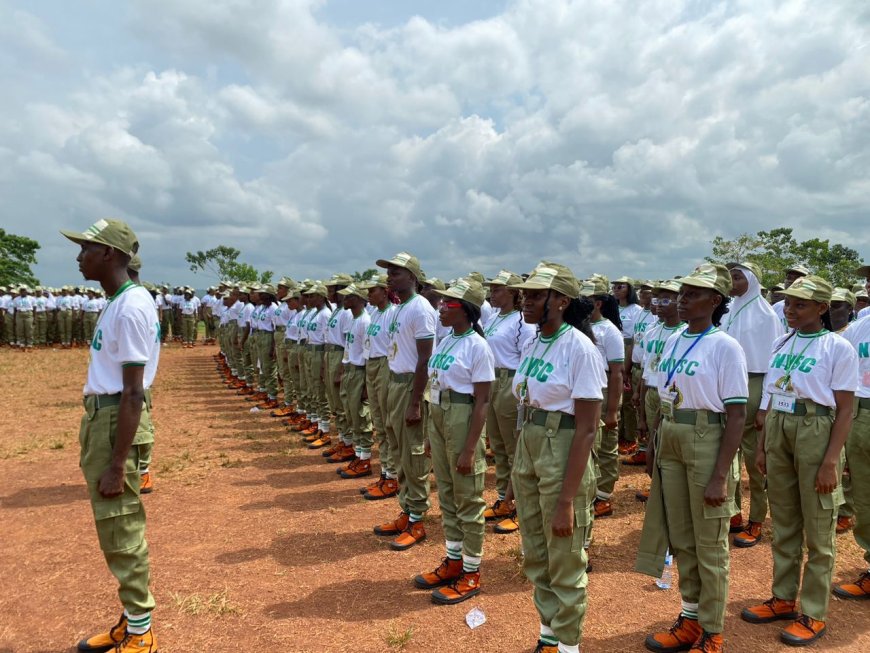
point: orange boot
(678, 637)
(803, 630)
(389, 488)
(773, 609)
(461, 589)
(413, 534)
(358, 469)
(857, 591)
(709, 643)
(448, 571)
(393, 527)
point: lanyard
(498, 320)
(683, 357)
(794, 361)
(398, 313)
(455, 341)
(743, 308)
(129, 284)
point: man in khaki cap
(863, 308)
(412, 331)
(122, 366)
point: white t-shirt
(441, 331)
(629, 315)
(244, 319)
(127, 333)
(643, 322)
(266, 317)
(338, 326)
(64, 303)
(608, 341)
(864, 312)
(377, 341)
(779, 309)
(301, 325)
(507, 335)
(858, 334)
(280, 315)
(652, 348)
(23, 304)
(39, 304)
(556, 371)
(6, 302)
(291, 333)
(409, 322)
(188, 307)
(707, 377)
(819, 365)
(354, 339)
(316, 326)
(486, 312)
(92, 306)
(77, 301)
(461, 361)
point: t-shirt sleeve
(614, 348)
(844, 375)
(588, 375)
(733, 375)
(133, 339)
(424, 323)
(483, 364)
(527, 332)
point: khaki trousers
(353, 384)
(377, 385)
(407, 445)
(501, 426)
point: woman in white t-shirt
(506, 332)
(606, 327)
(558, 386)
(703, 388)
(804, 418)
(461, 372)
(630, 312)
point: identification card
(784, 403)
(435, 393)
(521, 415)
(667, 407)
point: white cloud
(617, 138)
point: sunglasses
(450, 305)
(663, 301)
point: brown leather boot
(461, 589)
(857, 591)
(750, 536)
(773, 609)
(678, 637)
(709, 643)
(501, 509)
(448, 571)
(395, 526)
(803, 631)
(360, 469)
(413, 534)
(389, 488)
(602, 508)
(736, 524)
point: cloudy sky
(318, 135)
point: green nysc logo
(536, 368)
(97, 342)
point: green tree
(223, 262)
(17, 254)
(777, 250)
(365, 275)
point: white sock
(565, 648)
(138, 624)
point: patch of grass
(68, 404)
(57, 444)
(515, 553)
(217, 604)
(397, 637)
(175, 463)
(226, 461)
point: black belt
(280, 328)
(103, 401)
(755, 375)
(401, 378)
(864, 402)
(376, 358)
(691, 416)
(333, 348)
(800, 409)
(539, 418)
(454, 397)
(355, 367)
(504, 371)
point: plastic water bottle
(667, 579)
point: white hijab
(753, 323)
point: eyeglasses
(449, 305)
(664, 301)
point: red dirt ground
(258, 546)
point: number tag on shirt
(435, 393)
(784, 403)
(667, 404)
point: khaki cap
(339, 279)
(316, 289)
(810, 287)
(469, 290)
(800, 269)
(595, 285)
(863, 271)
(476, 276)
(777, 288)
(114, 233)
(403, 260)
(269, 289)
(552, 276)
(135, 263)
(861, 294)
(287, 282)
(668, 285)
(377, 281)
(624, 279)
(436, 283)
(709, 275)
(844, 295)
(504, 278)
(354, 290)
(749, 265)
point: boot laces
(705, 643)
(864, 579)
(806, 622)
